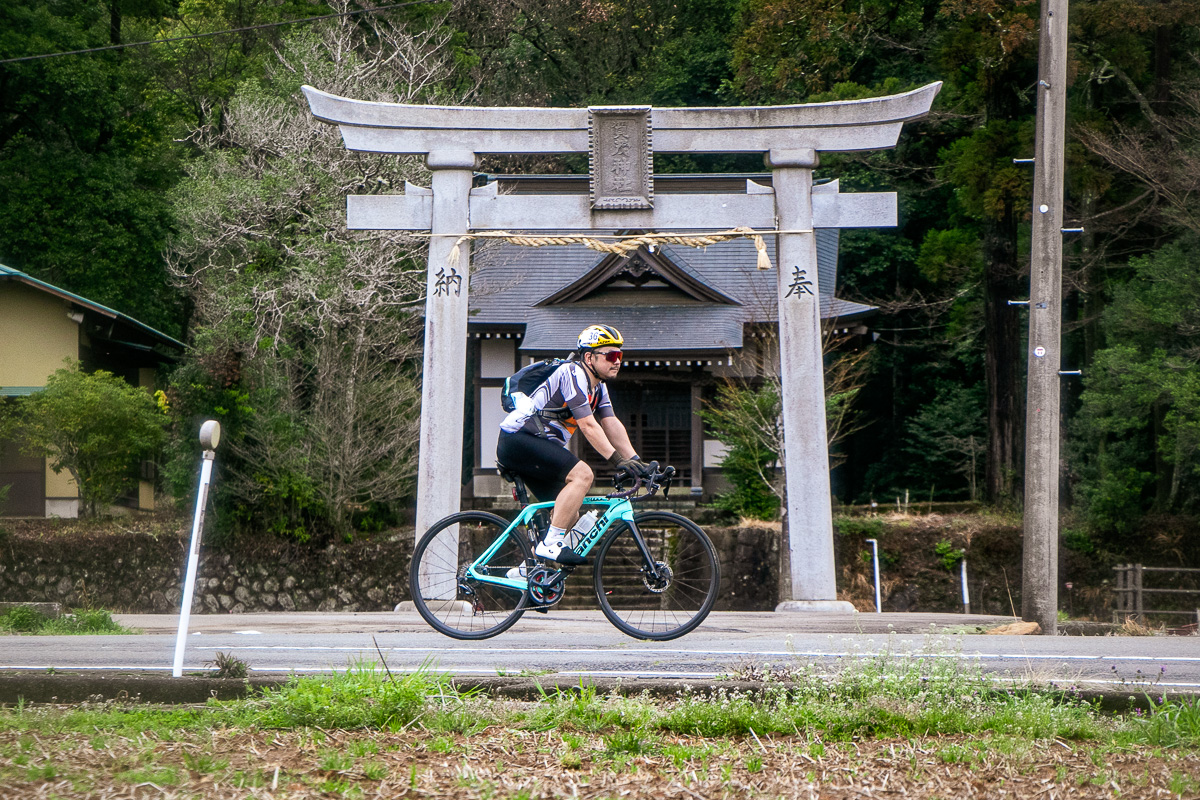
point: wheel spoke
(684, 591)
(449, 598)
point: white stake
(966, 595)
(875, 557)
(210, 437)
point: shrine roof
(509, 282)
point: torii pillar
(621, 141)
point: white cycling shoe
(558, 551)
(517, 573)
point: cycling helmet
(594, 336)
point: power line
(218, 33)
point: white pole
(875, 557)
(210, 436)
(966, 595)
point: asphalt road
(582, 643)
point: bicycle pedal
(542, 609)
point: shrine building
(691, 318)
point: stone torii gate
(621, 141)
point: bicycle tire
(660, 612)
(457, 606)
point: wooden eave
(612, 265)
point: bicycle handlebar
(658, 479)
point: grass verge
(22, 619)
(892, 725)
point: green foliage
(227, 665)
(360, 697)
(1078, 540)
(1138, 426)
(665, 52)
(942, 450)
(950, 256)
(96, 427)
(23, 619)
(948, 555)
(85, 160)
(1169, 724)
(865, 527)
(746, 421)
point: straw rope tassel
(764, 260)
(455, 256)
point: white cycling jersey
(566, 386)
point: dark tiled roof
(509, 280)
(649, 328)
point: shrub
(96, 427)
(948, 554)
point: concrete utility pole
(1039, 595)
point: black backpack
(527, 380)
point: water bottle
(581, 529)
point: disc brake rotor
(664, 578)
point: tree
(1138, 430)
(307, 346)
(96, 427)
(566, 52)
(947, 436)
(746, 416)
(85, 160)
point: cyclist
(534, 437)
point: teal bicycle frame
(616, 509)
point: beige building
(41, 328)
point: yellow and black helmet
(594, 336)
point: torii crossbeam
(621, 141)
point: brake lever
(667, 475)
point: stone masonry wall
(138, 573)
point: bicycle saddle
(519, 492)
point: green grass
(22, 619)
(892, 697)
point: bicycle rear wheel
(454, 602)
(685, 592)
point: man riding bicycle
(534, 437)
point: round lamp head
(210, 434)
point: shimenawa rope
(623, 245)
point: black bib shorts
(542, 463)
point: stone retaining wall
(137, 573)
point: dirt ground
(550, 764)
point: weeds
(23, 619)
(357, 698)
(227, 665)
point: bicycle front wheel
(452, 600)
(682, 595)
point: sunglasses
(612, 356)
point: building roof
(137, 335)
(556, 291)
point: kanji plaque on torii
(621, 141)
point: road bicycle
(655, 573)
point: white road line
(742, 653)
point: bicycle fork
(651, 566)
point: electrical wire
(218, 33)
